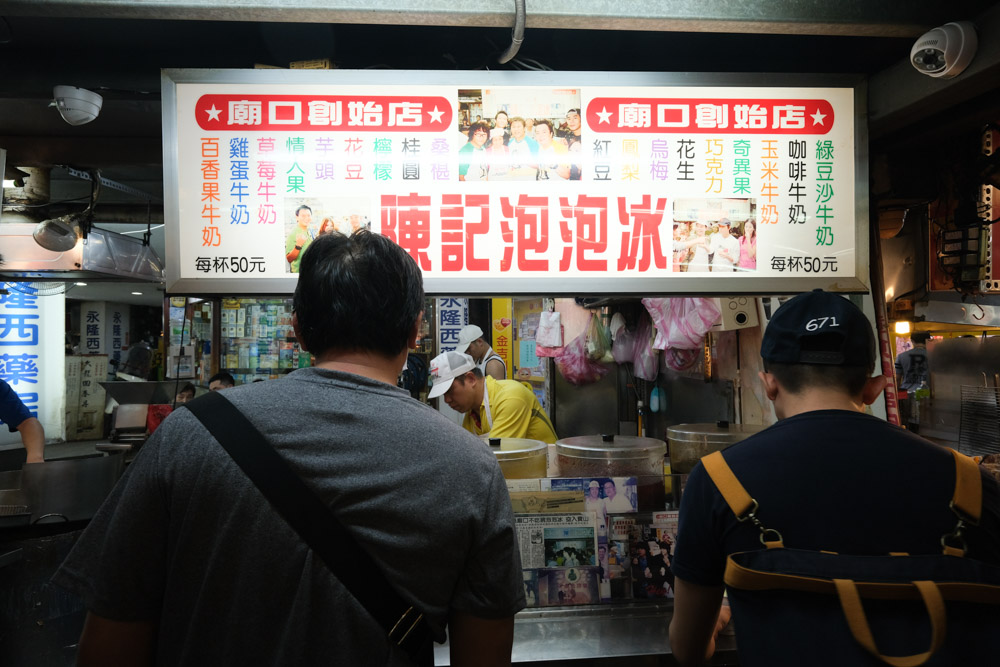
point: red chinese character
(532, 215)
(458, 236)
(591, 232)
(645, 229)
(406, 220)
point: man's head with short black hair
(221, 380)
(358, 293)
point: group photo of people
(310, 217)
(519, 134)
(715, 236)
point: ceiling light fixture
(80, 284)
(902, 327)
(137, 293)
(62, 234)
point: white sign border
(464, 286)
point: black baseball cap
(819, 328)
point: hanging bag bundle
(798, 607)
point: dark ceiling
(121, 59)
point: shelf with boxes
(257, 340)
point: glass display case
(256, 339)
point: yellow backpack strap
(732, 491)
(739, 501)
(966, 503)
(850, 602)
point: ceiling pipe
(517, 34)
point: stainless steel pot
(70, 489)
(689, 442)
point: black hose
(517, 34)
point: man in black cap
(828, 476)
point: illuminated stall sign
(452, 315)
(503, 182)
(31, 356)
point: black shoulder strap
(306, 513)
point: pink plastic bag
(646, 359)
(623, 349)
(681, 322)
(576, 366)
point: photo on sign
(714, 235)
(307, 218)
(519, 134)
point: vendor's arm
(495, 369)
(698, 618)
(119, 643)
(33, 439)
(480, 642)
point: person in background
(494, 408)
(328, 226)
(15, 414)
(697, 246)
(231, 583)
(221, 380)
(500, 123)
(553, 156)
(681, 250)
(186, 394)
(817, 472)
(473, 164)
(299, 238)
(523, 152)
(471, 341)
(140, 357)
(748, 246)
(354, 220)
(498, 156)
(613, 501)
(573, 138)
(912, 369)
(724, 248)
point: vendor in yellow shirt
(494, 408)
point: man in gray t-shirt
(187, 564)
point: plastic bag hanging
(549, 332)
(576, 366)
(598, 340)
(646, 359)
(682, 322)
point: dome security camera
(77, 106)
(946, 51)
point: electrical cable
(517, 34)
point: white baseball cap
(469, 333)
(445, 368)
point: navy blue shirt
(12, 410)
(831, 480)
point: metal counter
(622, 633)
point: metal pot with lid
(519, 458)
(610, 456)
(690, 442)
